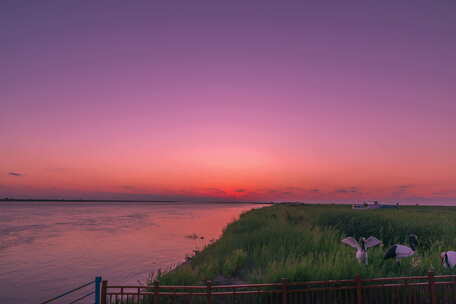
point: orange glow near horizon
(228, 174)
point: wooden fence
(429, 289)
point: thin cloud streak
(17, 174)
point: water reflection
(52, 246)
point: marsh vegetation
(303, 242)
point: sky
(322, 101)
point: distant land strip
(7, 199)
(81, 200)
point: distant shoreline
(80, 200)
(433, 204)
(119, 201)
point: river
(49, 247)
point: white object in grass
(399, 251)
(362, 246)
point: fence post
(359, 291)
(209, 291)
(406, 290)
(156, 292)
(104, 291)
(431, 287)
(97, 290)
(284, 290)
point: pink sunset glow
(205, 101)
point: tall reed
(302, 242)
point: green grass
(302, 242)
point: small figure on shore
(399, 251)
(362, 246)
(448, 259)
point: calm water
(46, 248)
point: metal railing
(427, 289)
(95, 293)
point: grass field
(302, 242)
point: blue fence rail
(95, 293)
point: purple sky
(248, 100)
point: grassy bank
(302, 242)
